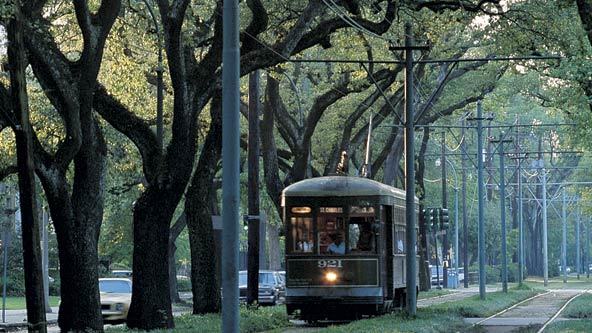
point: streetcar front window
(301, 230)
(331, 230)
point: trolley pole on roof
(411, 237)
(230, 165)
(501, 142)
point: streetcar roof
(341, 186)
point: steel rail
(560, 310)
(508, 309)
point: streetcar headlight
(331, 276)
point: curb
(10, 327)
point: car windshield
(264, 278)
(115, 286)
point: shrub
(15, 285)
(183, 284)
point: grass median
(20, 303)
(441, 318)
(494, 302)
(580, 307)
(251, 320)
(444, 317)
(570, 326)
(434, 293)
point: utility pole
(541, 165)
(587, 251)
(501, 142)
(411, 237)
(253, 214)
(481, 194)
(45, 258)
(464, 205)
(489, 162)
(32, 258)
(7, 224)
(564, 236)
(410, 217)
(456, 234)
(578, 249)
(519, 159)
(230, 164)
(445, 246)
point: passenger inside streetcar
(338, 245)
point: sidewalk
(17, 319)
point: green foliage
(20, 303)
(433, 293)
(251, 320)
(570, 326)
(580, 307)
(495, 302)
(183, 285)
(15, 285)
(427, 321)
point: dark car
(271, 287)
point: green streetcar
(345, 248)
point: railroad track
(541, 309)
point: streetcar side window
(361, 236)
(301, 230)
(399, 215)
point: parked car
(121, 273)
(436, 276)
(271, 287)
(116, 296)
(461, 274)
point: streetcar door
(387, 212)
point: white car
(116, 296)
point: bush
(54, 287)
(15, 285)
(183, 284)
(251, 320)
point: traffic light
(444, 218)
(428, 218)
(434, 218)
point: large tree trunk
(78, 274)
(151, 302)
(198, 208)
(26, 176)
(275, 260)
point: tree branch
(7, 171)
(135, 128)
